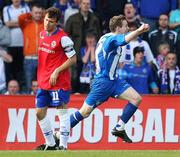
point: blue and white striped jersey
(108, 52)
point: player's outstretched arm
(143, 28)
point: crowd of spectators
(150, 63)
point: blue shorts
(51, 98)
(103, 88)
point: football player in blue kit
(106, 83)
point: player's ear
(117, 29)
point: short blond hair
(116, 21)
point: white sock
(64, 127)
(120, 125)
(45, 126)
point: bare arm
(12, 24)
(85, 58)
(67, 64)
(6, 57)
(143, 28)
(93, 54)
(174, 25)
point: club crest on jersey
(53, 44)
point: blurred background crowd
(150, 63)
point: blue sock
(75, 118)
(128, 112)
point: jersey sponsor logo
(45, 44)
(46, 50)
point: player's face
(49, 24)
(124, 29)
(171, 60)
(37, 13)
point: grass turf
(92, 153)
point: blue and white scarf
(165, 81)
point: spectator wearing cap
(139, 74)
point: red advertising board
(155, 125)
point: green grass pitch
(92, 153)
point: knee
(40, 114)
(136, 100)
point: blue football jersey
(108, 52)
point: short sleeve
(115, 41)
(68, 44)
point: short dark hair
(138, 49)
(53, 13)
(129, 3)
(35, 4)
(116, 21)
(90, 33)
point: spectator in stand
(170, 76)
(71, 10)
(31, 25)
(174, 23)
(13, 88)
(45, 3)
(127, 50)
(151, 10)
(34, 87)
(163, 50)
(130, 13)
(139, 74)
(162, 34)
(106, 9)
(4, 56)
(88, 59)
(77, 26)
(62, 5)
(11, 12)
(5, 38)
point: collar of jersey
(55, 32)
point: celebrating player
(106, 84)
(56, 55)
